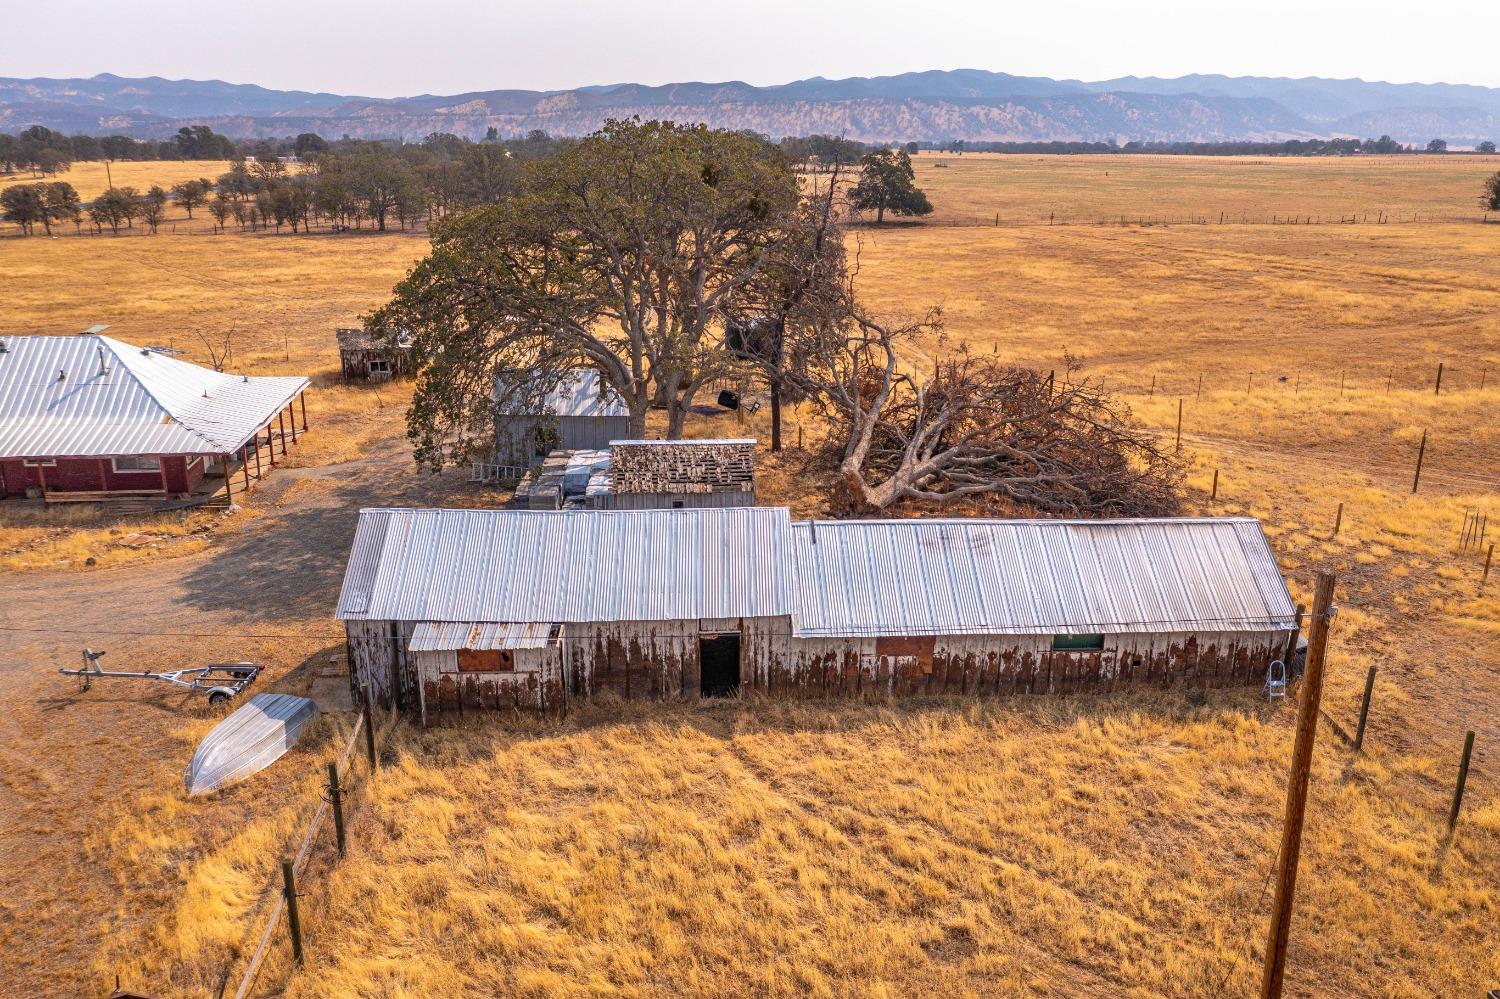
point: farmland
(1067, 846)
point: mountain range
(934, 106)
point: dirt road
(264, 592)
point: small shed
(676, 475)
(364, 357)
(582, 412)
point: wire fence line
(308, 844)
(1031, 220)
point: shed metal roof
(578, 393)
(116, 399)
(983, 577)
(860, 578)
(434, 636)
(569, 566)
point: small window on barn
(136, 464)
(1077, 643)
(486, 661)
(40, 462)
(380, 367)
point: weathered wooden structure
(366, 358)
(580, 413)
(451, 610)
(676, 475)
(89, 418)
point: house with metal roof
(92, 418)
(448, 610)
(580, 412)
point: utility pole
(1296, 792)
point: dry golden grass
(975, 186)
(92, 179)
(1081, 846)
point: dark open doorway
(719, 665)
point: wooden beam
(281, 430)
(302, 400)
(1309, 695)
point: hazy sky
(388, 48)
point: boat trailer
(220, 681)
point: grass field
(1087, 846)
(91, 179)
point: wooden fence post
(1214, 492)
(293, 922)
(370, 731)
(1179, 424)
(1463, 778)
(1309, 695)
(1338, 520)
(1364, 711)
(1421, 451)
(1488, 558)
(336, 799)
(1438, 388)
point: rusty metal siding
(652, 660)
(536, 684)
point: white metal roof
(580, 393)
(433, 636)
(116, 399)
(569, 566)
(681, 441)
(860, 578)
(978, 577)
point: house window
(136, 464)
(40, 462)
(486, 661)
(379, 367)
(1077, 643)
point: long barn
(451, 610)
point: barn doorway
(719, 665)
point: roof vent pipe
(103, 368)
(62, 375)
(813, 525)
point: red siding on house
(182, 473)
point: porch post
(270, 446)
(302, 399)
(258, 473)
(281, 428)
(228, 482)
(244, 467)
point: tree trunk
(775, 415)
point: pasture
(1050, 847)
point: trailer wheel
(217, 697)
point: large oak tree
(622, 253)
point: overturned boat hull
(252, 738)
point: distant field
(975, 187)
(1082, 847)
(92, 179)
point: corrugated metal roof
(980, 577)
(141, 402)
(578, 393)
(690, 441)
(569, 566)
(433, 636)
